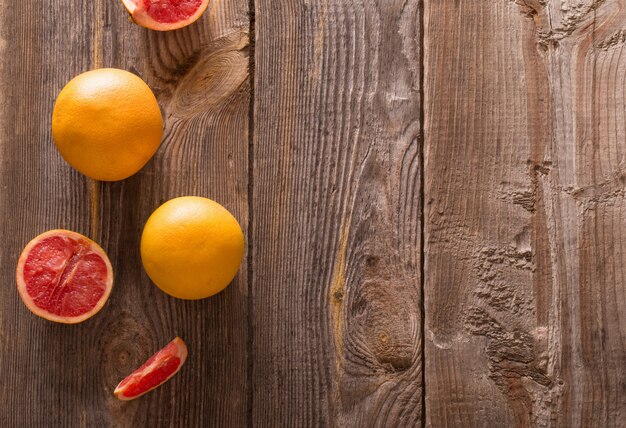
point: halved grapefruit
(64, 276)
(156, 371)
(165, 15)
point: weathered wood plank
(65, 374)
(525, 210)
(336, 252)
(200, 76)
(44, 366)
(586, 206)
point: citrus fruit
(165, 15)
(156, 371)
(107, 124)
(64, 276)
(191, 247)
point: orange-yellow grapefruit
(191, 247)
(107, 124)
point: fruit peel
(29, 301)
(140, 16)
(157, 370)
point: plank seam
(422, 32)
(250, 276)
(93, 186)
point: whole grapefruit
(191, 247)
(107, 124)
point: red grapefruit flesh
(156, 371)
(64, 276)
(165, 15)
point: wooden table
(432, 193)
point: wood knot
(392, 354)
(371, 261)
(126, 344)
(381, 327)
(214, 79)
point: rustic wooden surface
(56, 375)
(336, 259)
(432, 192)
(525, 175)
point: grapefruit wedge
(64, 276)
(156, 371)
(165, 15)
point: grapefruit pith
(64, 276)
(165, 15)
(156, 371)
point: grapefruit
(191, 247)
(165, 15)
(64, 276)
(156, 371)
(107, 124)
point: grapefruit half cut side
(63, 276)
(156, 371)
(165, 15)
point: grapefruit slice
(64, 276)
(156, 371)
(165, 15)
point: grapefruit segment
(165, 15)
(64, 276)
(156, 371)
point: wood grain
(57, 375)
(524, 191)
(517, 146)
(40, 362)
(336, 232)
